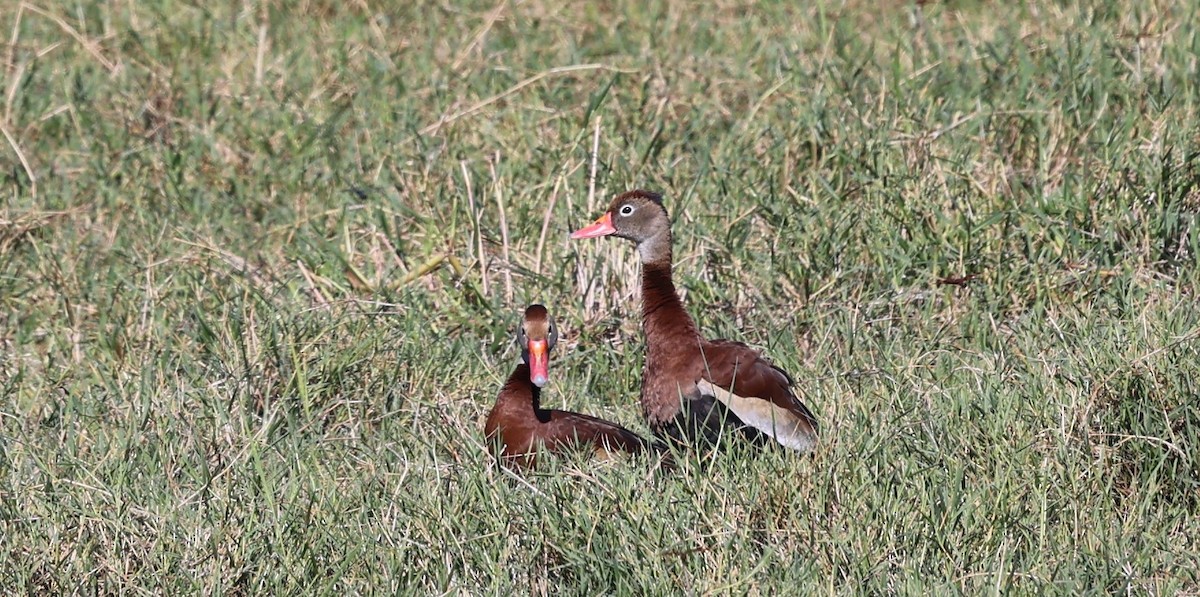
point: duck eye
(626, 210)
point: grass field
(260, 266)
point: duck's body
(692, 387)
(517, 427)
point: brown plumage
(518, 425)
(691, 386)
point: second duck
(691, 387)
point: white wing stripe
(764, 415)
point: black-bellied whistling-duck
(518, 425)
(686, 377)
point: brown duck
(691, 387)
(518, 426)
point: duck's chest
(668, 383)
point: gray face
(638, 219)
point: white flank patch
(779, 423)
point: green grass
(257, 293)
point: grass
(259, 269)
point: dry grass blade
(434, 128)
(12, 143)
(504, 247)
(476, 217)
(549, 211)
(88, 45)
(14, 231)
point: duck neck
(667, 325)
(519, 392)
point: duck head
(536, 336)
(638, 216)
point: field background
(260, 266)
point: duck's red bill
(539, 362)
(601, 227)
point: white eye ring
(627, 210)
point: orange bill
(539, 362)
(601, 227)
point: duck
(696, 389)
(518, 427)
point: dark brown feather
(517, 427)
(743, 370)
